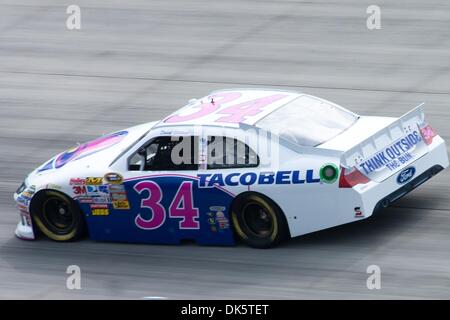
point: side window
(166, 153)
(224, 152)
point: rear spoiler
(396, 130)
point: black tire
(258, 221)
(57, 216)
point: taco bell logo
(406, 175)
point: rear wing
(404, 125)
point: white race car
(257, 165)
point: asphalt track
(136, 61)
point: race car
(252, 165)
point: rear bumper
(410, 186)
(375, 195)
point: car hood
(93, 156)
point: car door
(160, 200)
(229, 163)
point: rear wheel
(57, 216)
(258, 221)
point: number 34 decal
(182, 206)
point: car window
(225, 152)
(308, 121)
(166, 153)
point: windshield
(130, 146)
(308, 121)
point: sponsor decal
(118, 196)
(250, 178)
(94, 199)
(406, 175)
(77, 182)
(392, 156)
(97, 191)
(99, 206)
(99, 210)
(358, 213)
(27, 194)
(117, 188)
(222, 221)
(85, 200)
(101, 200)
(22, 208)
(23, 200)
(329, 173)
(113, 178)
(94, 181)
(121, 205)
(79, 190)
(217, 219)
(24, 213)
(212, 221)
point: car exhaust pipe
(385, 203)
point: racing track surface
(137, 61)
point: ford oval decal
(406, 175)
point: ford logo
(406, 175)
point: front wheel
(57, 216)
(258, 221)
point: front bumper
(24, 232)
(24, 229)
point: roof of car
(230, 107)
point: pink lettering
(239, 112)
